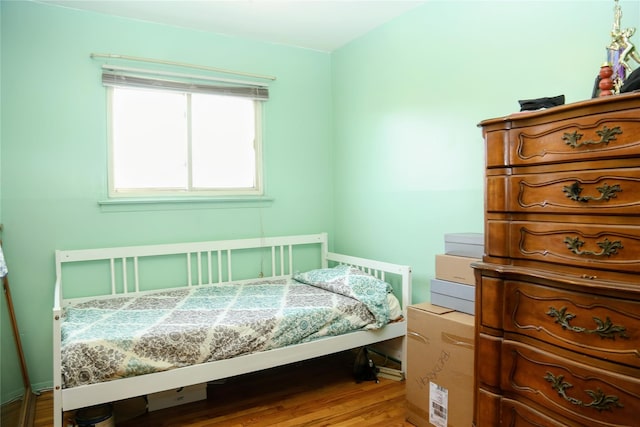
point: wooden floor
(10, 414)
(321, 392)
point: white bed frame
(282, 249)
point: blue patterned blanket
(124, 336)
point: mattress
(117, 337)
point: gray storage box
(457, 296)
(464, 244)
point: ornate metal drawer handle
(607, 192)
(574, 244)
(601, 402)
(604, 329)
(606, 135)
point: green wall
(375, 143)
(54, 149)
(406, 101)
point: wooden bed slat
(135, 274)
(125, 286)
(219, 266)
(113, 276)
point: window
(182, 139)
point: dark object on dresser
(540, 103)
(632, 83)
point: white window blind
(123, 80)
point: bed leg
(57, 409)
(57, 364)
(403, 359)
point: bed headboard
(131, 269)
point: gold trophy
(620, 51)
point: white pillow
(395, 311)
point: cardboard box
(464, 244)
(456, 269)
(175, 397)
(440, 364)
(456, 296)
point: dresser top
(576, 109)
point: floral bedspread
(126, 336)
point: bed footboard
(380, 270)
(384, 271)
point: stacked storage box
(454, 285)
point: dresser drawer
(592, 137)
(607, 328)
(517, 414)
(574, 387)
(592, 246)
(615, 191)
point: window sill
(176, 203)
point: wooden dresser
(558, 291)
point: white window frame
(190, 191)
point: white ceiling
(313, 24)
